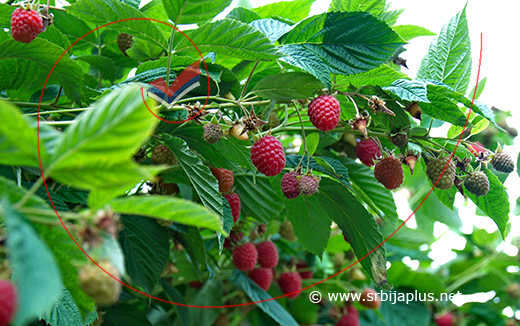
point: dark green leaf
(258, 200)
(449, 57)
(54, 35)
(103, 64)
(335, 169)
(146, 247)
(126, 314)
(73, 28)
(375, 7)
(287, 86)
(35, 272)
(209, 295)
(255, 293)
(64, 313)
(176, 296)
(495, 204)
(409, 90)
(442, 107)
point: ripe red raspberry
(234, 203)
(434, 169)
(502, 162)
(444, 320)
(225, 179)
(268, 156)
(290, 185)
(389, 172)
(304, 274)
(350, 319)
(290, 282)
(162, 155)
(26, 25)
(262, 276)
(98, 284)
(8, 302)
(367, 150)
(309, 184)
(477, 183)
(267, 254)
(245, 257)
(233, 239)
(324, 112)
(124, 42)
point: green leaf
(5, 15)
(101, 12)
(146, 246)
(495, 204)
(35, 272)
(237, 154)
(64, 313)
(103, 64)
(67, 255)
(383, 75)
(202, 179)
(375, 7)
(18, 138)
(142, 50)
(193, 11)
(449, 57)
(209, 295)
(229, 37)
(340, 43)
(168, 208)
(382, 198)
(443, 107)
(243, 14)
(101, 142)
(10, 190)
(54, 35)
(409, 90)
(127, 313)
(403, 276)
(255, 293)
(294, 11)
(312, 141)
(287, 86)
(336, 169)
(258, 198)
(408, 32)
(271, 28)
(194, 245)
(74, 28)
(176, 296)
(357, 224)
(480, 87)
(44, 54)
(176, 61)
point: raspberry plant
(286, 105)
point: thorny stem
(247, 81)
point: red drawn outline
(255, 302)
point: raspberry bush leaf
(255, 293)
(287, 86)
(102, 12)
(65, 312)
(272, 28)
(35, 271)
(258, 197)
(449, 58)
(408, 32)
(383, 75)
(293, 11)
(409, 90)
(192, 11)
(103, 64)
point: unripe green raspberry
(212, 132)
(502, 162)
(477, 183)
(435, 168)
(98, 284)
(124, 42)
(162, 155)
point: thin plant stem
(247, 81)
(36, 185)
(306, 151)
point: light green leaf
(340, 43)
(96, 150)
(193, 11)
(312, 141)
(495, 204)
(243, 14)
(383, 75)
(375, 7)
(54, 35)
(44, 54)
(74, 28)
(287, 86)
(142, 50)
(293, 11)
(449, 57)
(255, 293)
(35, 272)
(229, 37)
(480, 88)
(5, 15)
(18, 138)
(408, 32)
(271, 28)
(146, 246)
(101, 12)
(168, 208)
